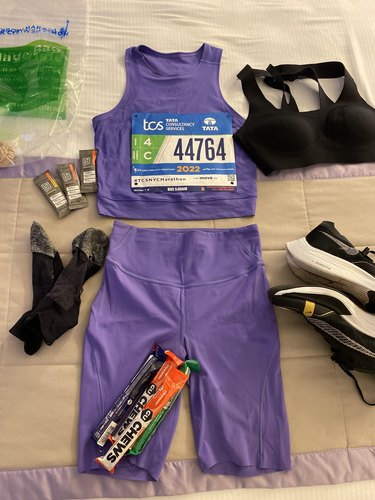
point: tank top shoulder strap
(131, 56)
(211, 54)
(132, 71)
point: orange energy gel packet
(171, 385)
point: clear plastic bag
(42, 64)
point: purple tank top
(166, 150)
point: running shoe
(326, 257)
(349, 330)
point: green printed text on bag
(33, 80)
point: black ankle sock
(47, 264)
(46, 268)
(58, 310)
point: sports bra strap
(302, 72)
(249, 86)
(273, 79)
(330, 69)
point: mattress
(332, 430)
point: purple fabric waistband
(185, 257)
(178, 210)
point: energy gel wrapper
(171, 384)
(52, 191)
(124, 402)
(71, 186)
(139, 445)
(170, 362)
(87, 159)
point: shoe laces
(365, 253)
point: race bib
(182, 152)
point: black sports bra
(337, 132)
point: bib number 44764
(199, 148)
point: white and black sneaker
(326, 257)
(349, 330)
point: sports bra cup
(288, 131)
(304, 138)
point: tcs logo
(152, 125)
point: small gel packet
(71, 186)
(139, 445)
(87, 160)
(51, 190)
(125, 402)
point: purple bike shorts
(203, 294)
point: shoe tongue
(343, 243)
(329, 228)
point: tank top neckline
(141, 49)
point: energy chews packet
(171, 361)
(139, 445)
(71, 186)
(87, 160)
(126, 399)
(52, 191)
(168, 385)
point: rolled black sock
(58, 310)
(46, 268)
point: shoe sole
(358, 319)
(312, 264)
